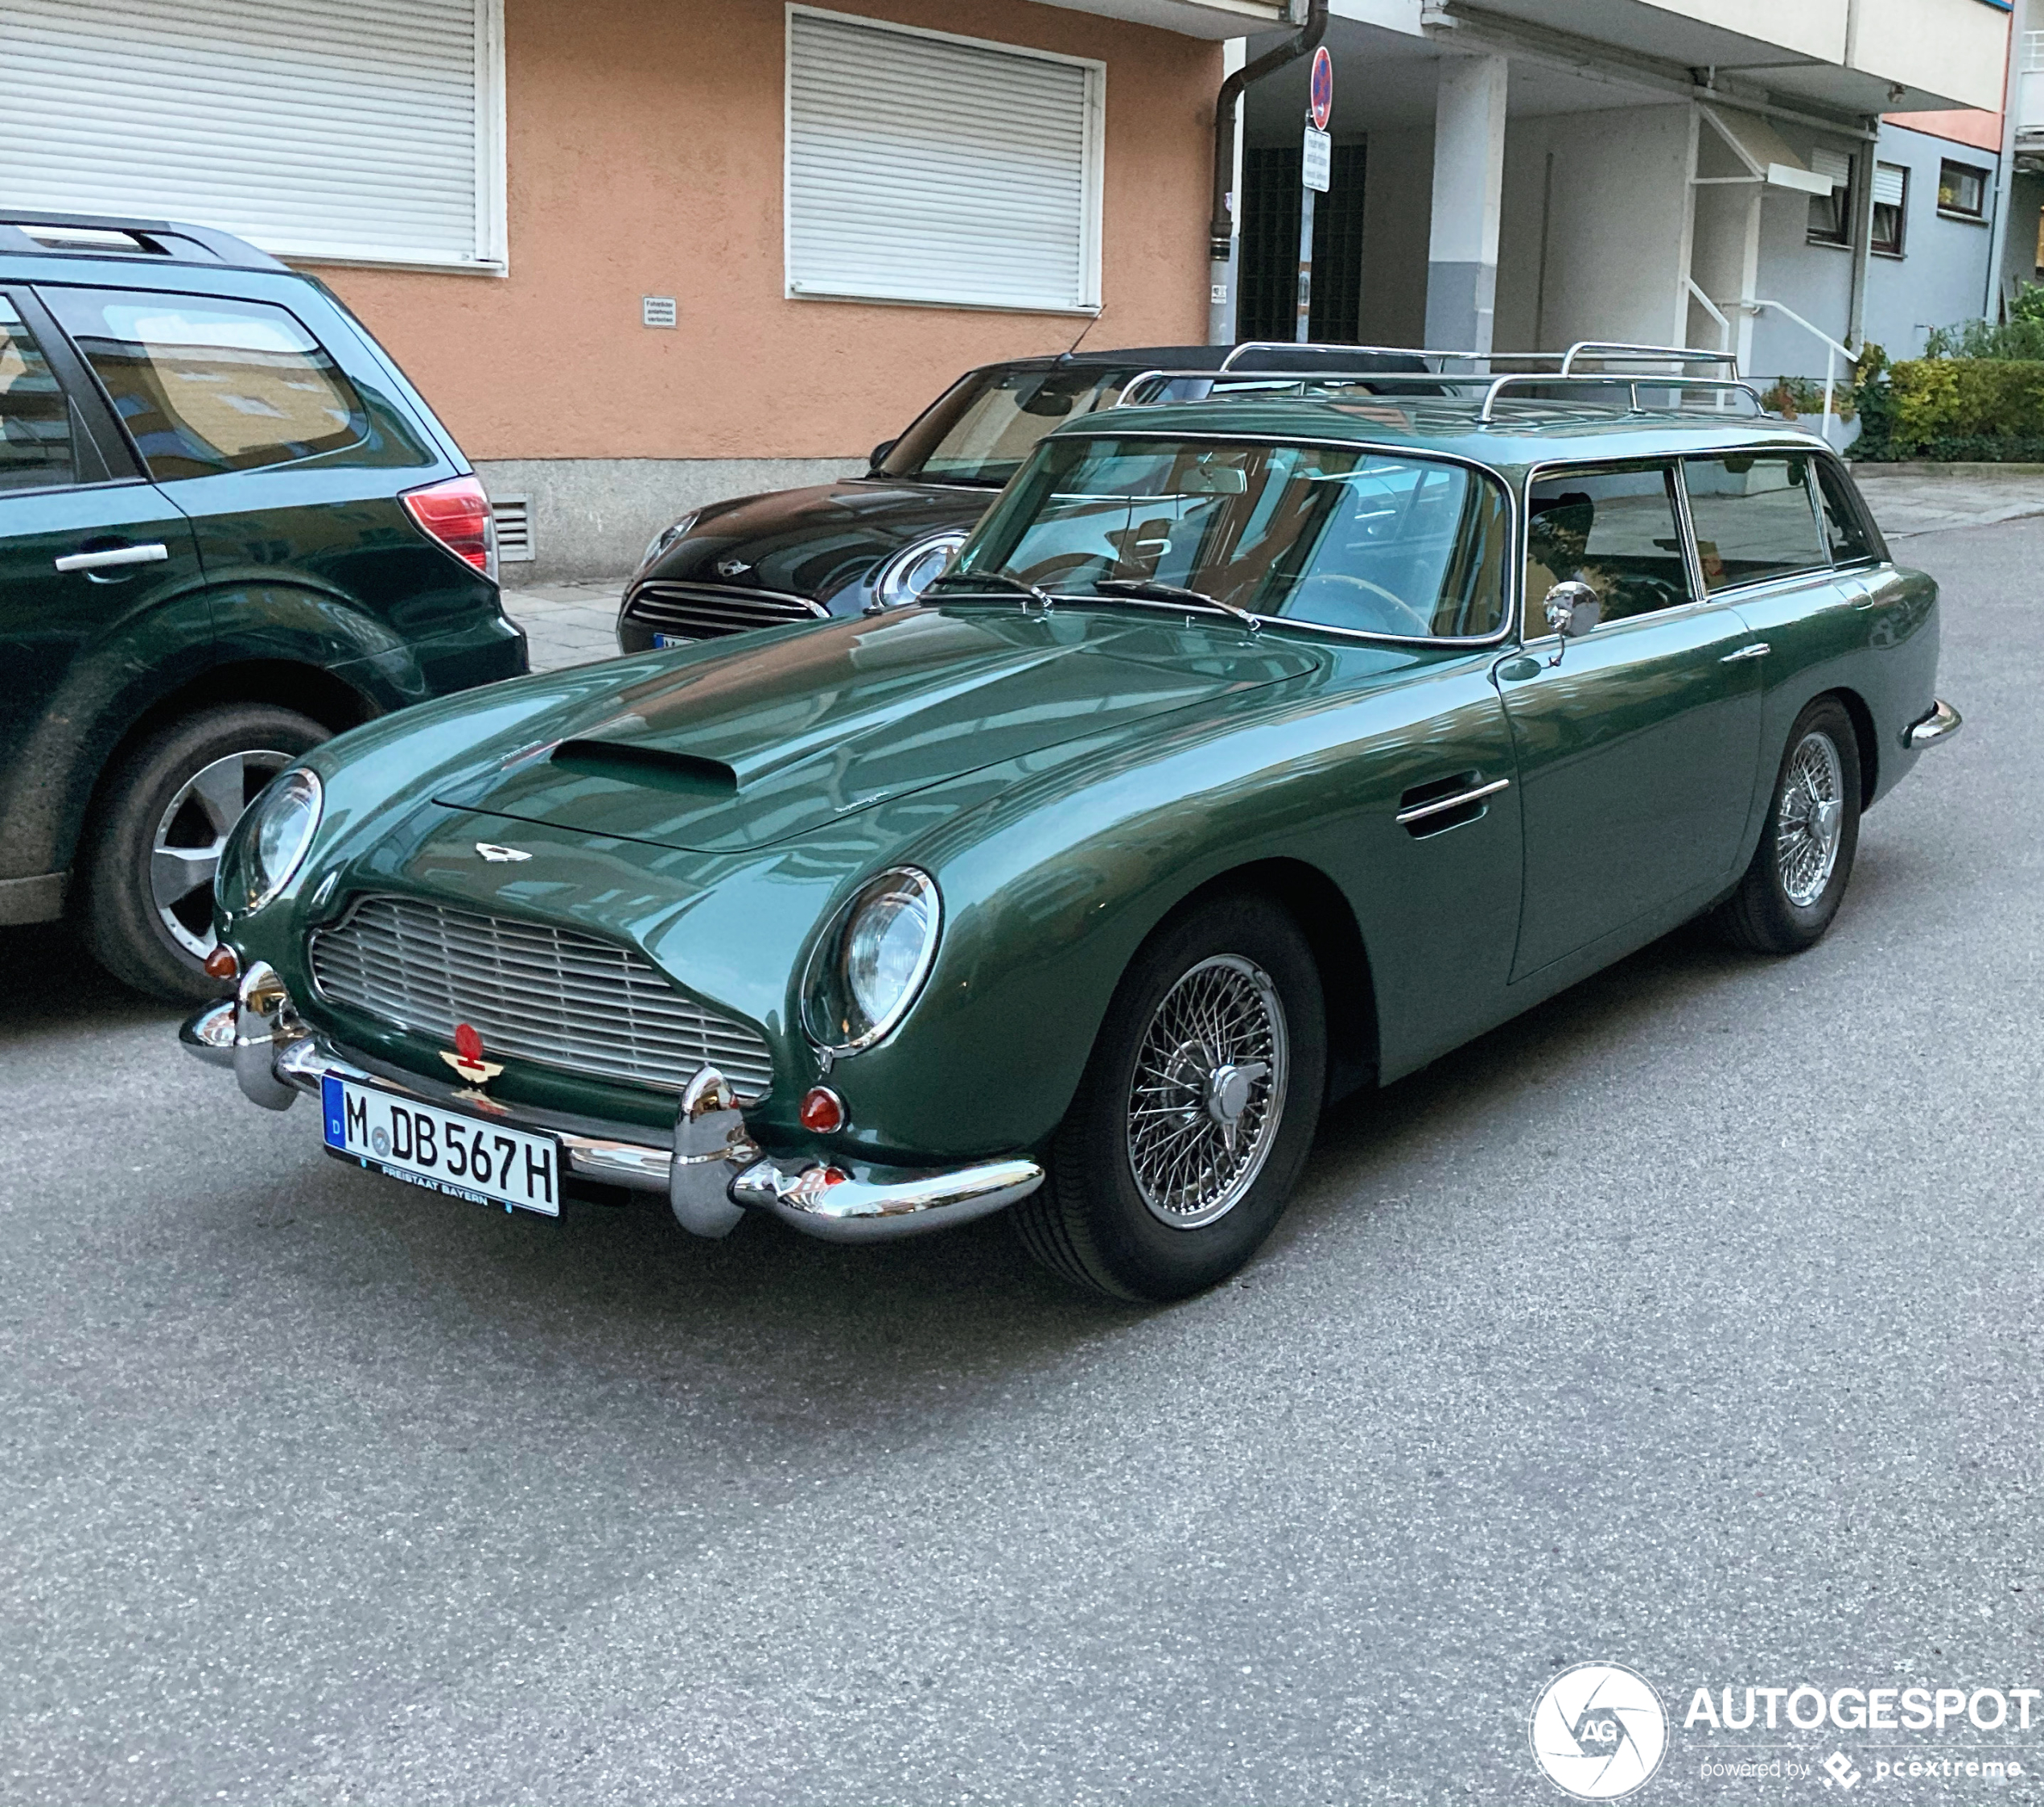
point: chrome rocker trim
(1941, 723)
(712, 1174)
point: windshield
(992, 420)
(1340, 536)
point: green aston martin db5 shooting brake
(1249, 754)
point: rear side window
(1612, 529)
(1754, 517)
(35, 450)
(1845, 521)
(204, 384)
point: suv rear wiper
(1147, 589)
(1043, 598)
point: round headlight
(665, 539)
(282, 822)
(905, 575)
(872, 960)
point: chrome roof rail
(1610, 350)
(1727, 386)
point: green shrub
(1971, 409)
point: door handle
(114, 555)
(1440, 806)
(1758, 649)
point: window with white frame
(319, 129)
(926, 167)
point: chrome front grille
(550, 995)
(708, 611)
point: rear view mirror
(1214, 479)
(1572, 608)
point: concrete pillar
(1468, 203)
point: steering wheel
(1421, 624)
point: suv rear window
(34, 416)
(205, 384)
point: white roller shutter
(357, 129)
(926, 167)
(1890, 184)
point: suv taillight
(457, 514)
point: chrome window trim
(1679, 502)
(1830, 566)
(1515, 550)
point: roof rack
(1604, 351)
(1495, 386)
(106, 235)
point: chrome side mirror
(1572, 608)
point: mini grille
(550, 996)
(708, 611)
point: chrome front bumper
(1941, 723)
(710, 1170)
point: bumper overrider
(710, 1170)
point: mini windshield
(1340, 536)
(992, 420)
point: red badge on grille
(466, 1058)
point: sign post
(1316, 162)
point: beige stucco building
(640, 253)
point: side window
(1612, 529)
(35, 448)
(1754, 517)
(1845, 521)
(206, 385)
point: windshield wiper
(1148, 589)
(1020, 586)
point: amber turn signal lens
(823, 1112)
(221, 963)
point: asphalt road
(1691, 1322)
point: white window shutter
(1888, 180)
(313, 128)
(931, 168)
(1834, 166)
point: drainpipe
(1221, 231)
(2012, 101)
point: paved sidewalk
(1912, 499)
(568, 624)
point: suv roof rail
(108, 235)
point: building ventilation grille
(513, 516)
(550, 996)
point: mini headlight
(281, 827)
(905, 575)
(872, 960)
(665, 539)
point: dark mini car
(228, 528)
(872, 541)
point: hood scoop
(752, 744)
(685, 774)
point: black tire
(1089, 1221)
(1761, 916)
(117, 903)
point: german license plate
(470, 1157)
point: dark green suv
(228, 528)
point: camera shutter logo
(1599, 1730)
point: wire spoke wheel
(1208, 1091)
(1810, 818)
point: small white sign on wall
(656, 310)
